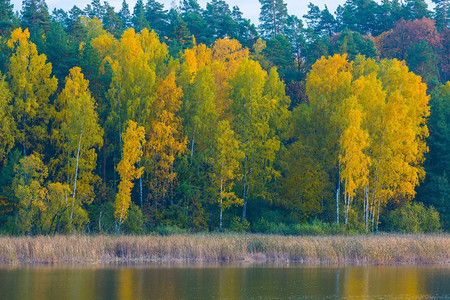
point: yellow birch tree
(133, 140)
(31, 85)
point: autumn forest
(148, 119)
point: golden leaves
(133, 140)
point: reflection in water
(226, 282)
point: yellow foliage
(133, 139)
(31, 85)
(80, 134)
(156, 51)
(18, 36)
(353, 160)
(165, 136)
(378, 112)
(226, 165)
(7, 123)
(329, 81)
(93, 27)
(197, 58)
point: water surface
(225, 282)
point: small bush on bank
(315, 228)
(413, 218)
(238, 226)
(134, 224)
(170, 230)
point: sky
(250, 8)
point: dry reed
(214, 248)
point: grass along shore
(215, 248)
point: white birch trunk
(221, 201)
(76, 175)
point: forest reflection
(224, 282)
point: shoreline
(218, 249)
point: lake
(224, 282)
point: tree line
(195, 118)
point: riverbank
(232, 248)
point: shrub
(134, 223)
(238, 226)
(170, 230)
(264, 226)
(316, 227)
(413, 218)
(106, 222)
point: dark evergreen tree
(61, 51)
(316, 47)
(321, 22)
(422, 60)
(273, 17)
(61, 17)
(415, 9)
(352, 43)
(124, 15)
(328, 23)
(138, 19)
(219, 20)
(111, 21)
(441, 14)
(444, 56)
(34, 15)
(8, 22)
(192, 15)
(436, 189)
(313, 18)
(358, 15)
(94, 10)
(296, 35)
(246, 32)
(179, 36)
(156, 17)
(384, 18)
(397, 11)
(74, 27)
(7, 19)
(279, 53)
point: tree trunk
(192, 145)
(100, 222)
(221, 201)
(348, 209)
(274, 18)
(366, 207)
(378, 213)
(244, 191)
(338, 192)
(140, 188)
(76, 176)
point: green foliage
(170, 230)
(422, 60)
(237, 225)
(134, 224)
(436, 188)
(273, 17)
(413, 218)
(7, 18)
(353, 43)
(314, 228)
(222, 136)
